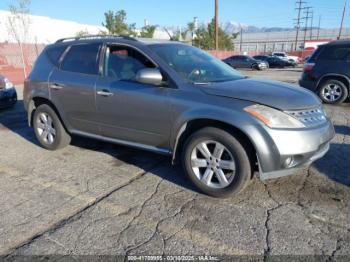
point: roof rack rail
(94, 37)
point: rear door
(234, 61)
(246, 62)
(72, 87)
(332, 60)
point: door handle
(56, 86)
(104, 93)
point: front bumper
(8, 97)
(294, 150)
(263, 66)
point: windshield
(195, 65)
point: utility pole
(319, 26)
(342, 21)
(312, 22)
(241, 41)
(299, 8)
(217, 24)
(307, 17)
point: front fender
(256, 132)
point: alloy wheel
(332, 92)
(45, 128)
(213, 164)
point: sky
(261, 13)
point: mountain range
(234, 27)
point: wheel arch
(35, 102)
(192, 126)
(342, 78)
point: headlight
(273, 118)
(8, 84)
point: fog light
(289, 161)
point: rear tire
(224, 171)
(48, 129)
(333, 92)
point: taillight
(308, 67)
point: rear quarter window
(82, 58)
(54, 54)
(314, 56)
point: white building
(46, 30)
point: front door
(128, 110)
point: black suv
(327, 72)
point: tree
(148, 31)
(205, 38)
(82, 33)
(18, 26)
(182, 35)
(115, 22)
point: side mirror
(151, 76)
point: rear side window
(82, 59)
(55, 53)
(335, 53)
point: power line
(299, 8)
(312, 21)
(342, 21)
(307, 17)
(319, 27)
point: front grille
(310, 117)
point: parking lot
(94, 198)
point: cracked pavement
(93, 198)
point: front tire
(48, 129)
(216, 162)
(333, 92)
(255, 67)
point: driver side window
(123, 63)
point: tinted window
(82, 59)
(55, 53)
(314, 56)
(123, 63)
(342, 53)
(334, 53)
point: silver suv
(177, 100)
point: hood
(271, 93)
